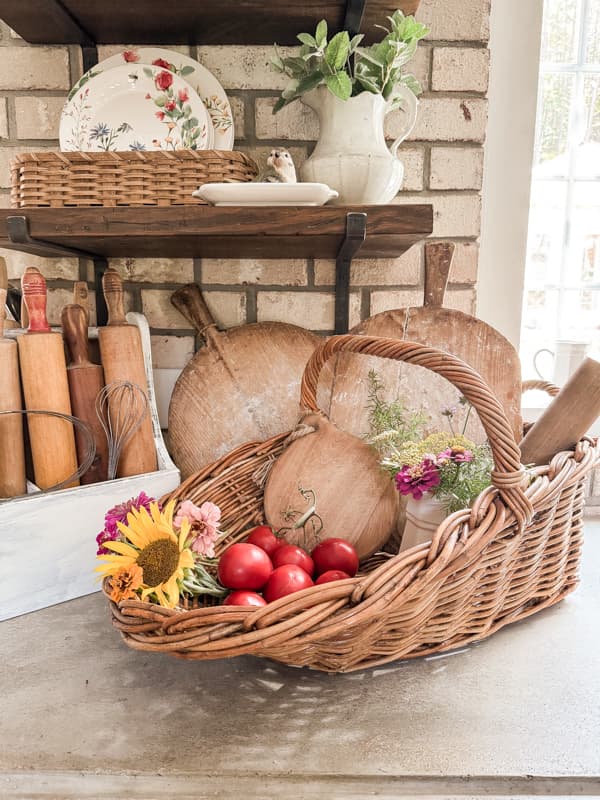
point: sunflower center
(159, 561)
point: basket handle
(542, 386)
(509, 474)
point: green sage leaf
(340, 85)
(337, 51)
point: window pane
(546, 233)
(592, 34)
(559, 32)
(590, 127)
(553, 126)
(584, 247)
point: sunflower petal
(123, 548)
(186, 559)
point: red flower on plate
(183, 95)
(160, 62)
(130, 56)
(163, 80)
(160, 115)
(170, 106)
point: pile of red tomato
(264, 563)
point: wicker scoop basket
(514, 553)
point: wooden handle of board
(112, 286)
(188, 300)
(85, 382)
(568, 417)
(45, 388)
(33, 285)
(75, 332)
(438, 259)
(12, 450)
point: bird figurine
(279, 168)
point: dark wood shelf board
(186, 22)
(202, 231)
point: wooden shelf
(226, 232)
(189, 21)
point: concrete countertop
(518, 714)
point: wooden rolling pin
(45, 386)
(123, 360)
(572, 412)
(85, 381)
(12, 451)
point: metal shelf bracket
(355, 10)
(20, 239)
(356, 232)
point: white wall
(515, 39)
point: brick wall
(443, 160)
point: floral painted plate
(200, 78)
(135, 107)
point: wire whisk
(121, 407)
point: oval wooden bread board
(473, 341)
(244, 385)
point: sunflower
(150, 542)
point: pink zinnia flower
(105, 536)
(119, 512)
(204, 521)
(183, 95)
(457, 454)
(418, 479)
(130, 56)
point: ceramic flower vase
(351, 155)
(422, 519)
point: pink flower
(418, 479)
(159, 115)
(183, 95)
(457, 454)
(170, 106)
(119, 512)
(160, 62)
(204, 523)
(163, 80)
(105, 536)
(130, 56)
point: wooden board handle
(3, 275)
(33, 285)
(81, 298)
(189, 301)
(438, 259)
(75, 333)
(112, 286)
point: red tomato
(244, 598)
(292, 554)
(285, 580)
(262, 536)
(244, 566)
(332, 575)
(335, 554)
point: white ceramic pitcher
(351, 155)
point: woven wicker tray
(58, 180)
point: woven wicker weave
(58, 180)
(515, 552)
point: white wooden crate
(48, 540)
